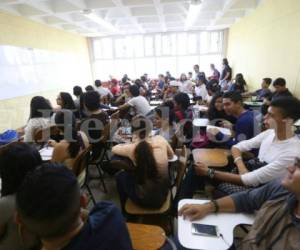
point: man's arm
(197, 211)
(238, 160)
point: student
(164, 119)
(239, 84)
(215, 73)
(212, 88)
(247, 123)
(183, 117)
(148, 185)
(40, 113)
(186, 85)
(216, 113)
(196, 70)
(102, 91)
(276, 207)
(73, 143)
(261, 93)
(280, 89)
(200, 91)
(16, 161)
(77, 92)
(278, 147)
(171, 91)
(161, 83)
(226, 75)
(50, 205)
(115, 87)
(65, 101)
(89, 88)
(95, 125)
(138, 102)
(190, 76)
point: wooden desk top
(212, 157)
(146, 237)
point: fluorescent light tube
(102, 22)
(193, 13)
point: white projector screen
(26, 71)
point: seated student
(183, 117)
(124, 97)
(73, 143)
(164, 119)
(186, 85)
(171, 91)
(200, 91)
(40, 113)
(261, 93)
(216, 113)
(65, 101)
(148, 185)
(138, 102)
(115, 87)
(239, 84)
(95, 125)
(278, 147)
(89, 88)
(247, 123)
(212, 88)
(49, 204)
(280, 89)
(161, 83)
(77, 91)
(102, 91)
(16, 161)
(277, 211)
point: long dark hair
(146, 163)
(16, 161)
(67, 101)
(65, 121)
(39, 104)
(212, 112)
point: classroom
(149, 124)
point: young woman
(40, 113)
(186, 85)
(73, 143)
(65, 101)
(148, 184)
(164, 119)
(16, 161)
(216, 112)
(239, 84)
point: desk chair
(212, 157)
(165, 210)
(80, 169)
(146, 237)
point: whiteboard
(25, 71)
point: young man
(277, 221)
(280, 89)
(278, 147)
(264, 91)
(215, 73)
(102, 91)
(49, 205)
(138, 102)
(246, 125)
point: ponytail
(146, 164)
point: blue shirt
(105, 229)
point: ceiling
(129, 16)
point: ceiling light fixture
(107, 25)
(194, 10)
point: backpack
(8, 136)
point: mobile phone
(126, 130)
(205, 230)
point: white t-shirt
(201, 91)
(140, 104)
(186, 87)
(35, 123)
(278, 154)
(104, 91)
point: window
(156, 53)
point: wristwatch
(211, 173)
